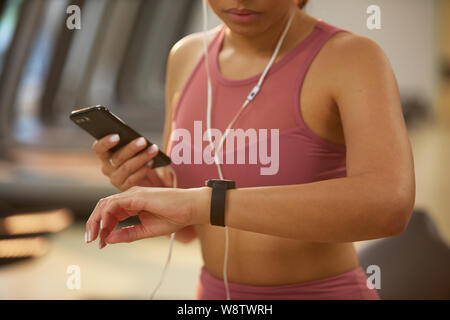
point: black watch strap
(219, 190)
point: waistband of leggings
(356, 275)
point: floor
(123, 271)
(131, 271)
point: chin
(245, 29)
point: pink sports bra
(270, 145)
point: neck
(264, 43)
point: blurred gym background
(50, 181)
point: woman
(345, 168)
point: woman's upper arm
(365, 90)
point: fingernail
(150, 163)
(114, 138)
(85, 237)
(89, 236)
(153, 148)
(101, 224)
(140, 142)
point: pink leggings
(345, 286)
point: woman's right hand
(126, 168)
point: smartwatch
(219, 190)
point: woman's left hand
(161, 211)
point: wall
(407, 36)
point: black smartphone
(99, 122)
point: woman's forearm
(337, 210)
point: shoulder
(348, 52)
(183, 57)
(349, 58)
(189, 48)
(351, 48)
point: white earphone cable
(172, 238)
(249, 98)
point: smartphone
(99, 122)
